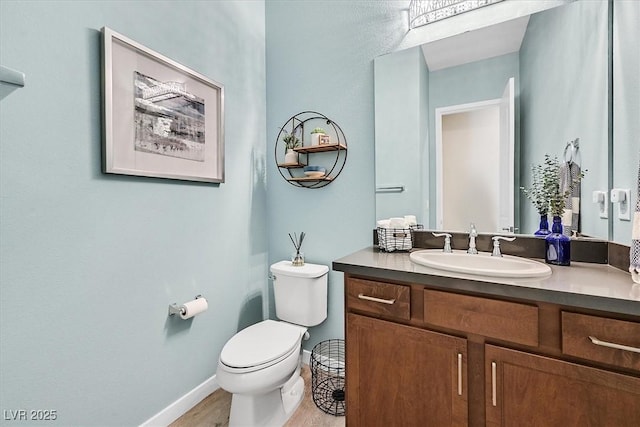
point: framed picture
(161, 119)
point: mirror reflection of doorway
(475, 165)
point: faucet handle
(496, 244)
(472, 230)
(447, 241)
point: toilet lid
(260, 344)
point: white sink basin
(481, 264)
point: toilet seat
(261, 345)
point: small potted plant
(291, 141)
(546, 191)
(536, 193)
(315, 136)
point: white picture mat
(124, 57)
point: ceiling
(488, 42)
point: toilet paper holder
(176, 309)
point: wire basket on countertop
(396, 239)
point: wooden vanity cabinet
(443, 358)
(400, 375)
(525, 389)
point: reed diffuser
(298, 259)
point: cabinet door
(528, 390)
(398, 375)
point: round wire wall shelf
(328, 152)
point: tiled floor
(214, 411)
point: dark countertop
(582, 285)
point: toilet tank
(300, 292)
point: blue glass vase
(557, 245)
(544, 226)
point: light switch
(600, 197)
(621, 196)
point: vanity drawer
(379, 298)
(503, 320)
(599, 339)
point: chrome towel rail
(12, 77)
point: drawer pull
(493, 384)
(374, 299)
(596, 341)
(459, 374)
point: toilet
(260, 365)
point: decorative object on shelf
(291, 142)
(297, 259)
(315, 171)
(557, 245)
(329, 157)
(315, 136)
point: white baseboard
(183, 404)
(306, 356)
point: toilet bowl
(260, 365)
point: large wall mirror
(449, 131)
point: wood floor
(213, 411)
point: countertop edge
(567, 299)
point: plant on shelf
(315, 136)
(291, 141)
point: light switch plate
(601, 198)
(624, 207)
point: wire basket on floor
(396, 239)
(327, 365)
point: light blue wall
(91, 262)
(320, 57)
(567, 46)
(626, 109)
(401, 95)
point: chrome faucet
(496, 244)
(447, 241)
(473, 233)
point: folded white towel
(411, 220)
(383, 223)
(398, 223)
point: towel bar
(12, 77)
(390, 189)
